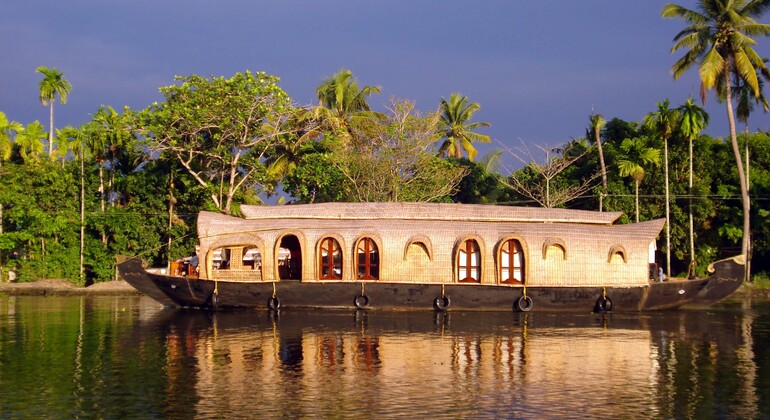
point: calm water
(65, 357)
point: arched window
(330, 259)
(511, 262)
(469, 262)
(367, 260)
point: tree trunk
(604, 168)
(741, 174)
(668, 212)
(636, 191)
(750, 249)
(171, 201)
(50, 131)
(691, 268)
(82, 217)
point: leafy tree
(481, 185)
(665, 121)
(52, 84)
(219, 130)
(694, 120)
(636, 155)
(719, 39)
(392, 160)
(317, 179)
(456, 129)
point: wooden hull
(187, 292)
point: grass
(761, 280)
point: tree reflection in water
(125, 357)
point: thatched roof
(428, 211)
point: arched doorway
(289, 259)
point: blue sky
(537, 69)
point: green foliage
(479, 186)
(219, 130)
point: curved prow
(132, 270)
(726, 276)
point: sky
(538, 69)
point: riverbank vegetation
(132, 181)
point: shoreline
(60, 287)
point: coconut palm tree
(73, 139)
(636, 154)
(665, 122)
(30, 141)
(340, 101)
(597, 124)
(694, 120)
(718, 39)
(456, 129)
(52, 84)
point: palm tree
(597, 123)
(30, 141)
(664, 122)
(456, 130)
(718, 39)
(636, 155)
(73, 139)
(694, 120)
(340, 100)
(52, 84)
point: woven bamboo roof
(428, 211)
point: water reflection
(125, 357)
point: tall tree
(719, 40)
(52, 84)
(397, 162)
(597, 123)
(636, 154)
(341, 102)
(456, 129)
(70, 138)
(665, 122)
(694, 120)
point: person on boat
(192, 268)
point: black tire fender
(604, 304)
(442, 302)
(361, 301)
(524, 304)
(273, 303)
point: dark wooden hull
(186, 292)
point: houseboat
(412, 256)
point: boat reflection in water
(337, 364)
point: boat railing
(242, 274)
